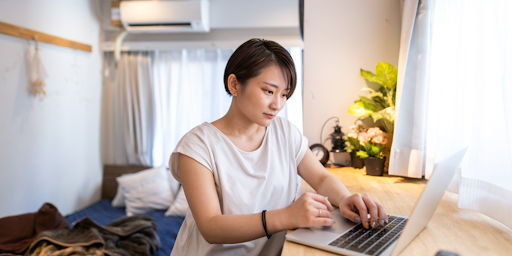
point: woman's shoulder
(200, 130)
(198, 134)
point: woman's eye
(285, 96)
(269, 92)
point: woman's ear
(233, 85)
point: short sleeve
(298, 141)
(194, 145)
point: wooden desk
(462, 231)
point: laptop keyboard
(371, 241)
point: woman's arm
(199, 186)
(325, 184)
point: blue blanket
(103, 213)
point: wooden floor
(452, 229)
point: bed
(102, 212)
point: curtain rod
(109, 46)
(17, 31)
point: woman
(239, 173)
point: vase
(374, 166)
(357, 162)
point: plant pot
(357, 162)
(374, 166)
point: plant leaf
(370, 76)
(362, 154)
(366, 100)
(369, 106)
(354, 144)
(374, 151)
(387, 113)
(379, 102)
(369, 89)
(360, 109)
(387, 75)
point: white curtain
(189, 90)
(470, 101)
(460, 61)
(151, 99)
(134, 110)
(293, 108)
(408, 148)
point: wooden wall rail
(13, 30)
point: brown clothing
(17, 232)
(127, 236)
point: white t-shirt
(246, 182)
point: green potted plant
(379, 104)
(352, 144)
(373, 141)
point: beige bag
(37, 73)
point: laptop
(349, 238)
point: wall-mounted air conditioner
(165, 16)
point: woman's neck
(232, 125)
(245, 134)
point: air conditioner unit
(165, 16)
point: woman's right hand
(310, 210)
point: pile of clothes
(47, 232)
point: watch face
(318, 152)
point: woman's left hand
(357, 206)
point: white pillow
(180, 205)
(145, 190)
(119, 199)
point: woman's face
(263, 96)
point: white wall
(340, 37)
(254, 14)
(49, 150)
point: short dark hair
(250, 58)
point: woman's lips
(270, 116)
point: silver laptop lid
(423, 211)
(429, 199)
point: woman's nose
(277, 103)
